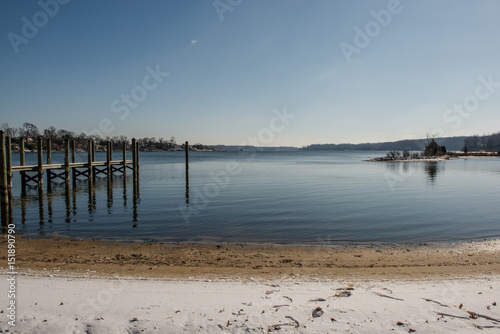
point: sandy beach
(75, 286)
(311, 305)
(167, 260)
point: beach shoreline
(86, 258)
(65, 285)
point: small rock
(318, 312)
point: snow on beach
(298, 305)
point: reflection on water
(276, 197)
(402, 170)
(187, 186)
(136, 200)
(70, 195)
(432, 168)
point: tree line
(489, 142)
(482, 143)
(30, 133)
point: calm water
(289, 197)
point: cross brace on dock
(62, 171)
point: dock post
(137, 158)
(73, 159)
(111, 147)
(108, 158)
(73, 151)
(21, 163)
(93, 158)
(134, 160)
(8, 150)
(111, 155)
(186, 148)
(49, 161)
(49, 151)
(124, 145)
(89, 159)
(66, 161)
(4, 192)
(40, 162)
(3, 177)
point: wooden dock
(59, 171)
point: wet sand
(84, 258)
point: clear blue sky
(227, 76)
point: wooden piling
(89, 159)
(3, 175)
(40, 162)
(49, 152)
(66, 161)
(108, 158)
(111, 150)
(124, 145)
(8, 152)
(137, 157)
(186, 148)
(73, 151)
(134, 158)
(11, 206)
(21, 163)
(49, 161)
(73, 159)
(89, 169)
(93, 158)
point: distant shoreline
(451, 156)
(436, 159)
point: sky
(268, 73)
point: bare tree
(65, 134)
(31, 130)
(21, 132)
(50, 133)
(9, 132)
(124, 139)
